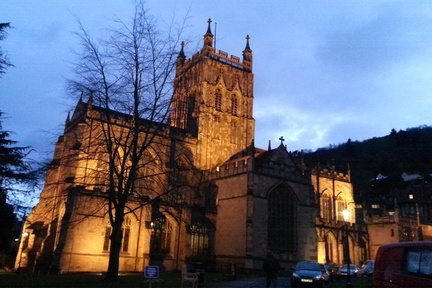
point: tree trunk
(114, 253)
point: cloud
(395, 33)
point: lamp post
(346, 216)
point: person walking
(271, 267)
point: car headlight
(318, 277)
(295, 275)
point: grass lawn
(166, 280)
(171, 279)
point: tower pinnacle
(247, 55)
(208, 39)
(208, 27)
(181, 56)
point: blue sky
(325, 71)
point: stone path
(283, 282)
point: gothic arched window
(234, 105)
(125, 238)
(326, 207)
(199, 240)
(160, 241)
(282, 219)
(191, 120)
(218, 100)
(340, 208)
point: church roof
(279, 155)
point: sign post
(151, 272)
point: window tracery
(160, 242)
(218, 100)
(234, 105)
(326, 207)
(199, 240)
(125, 238)
(282, 214)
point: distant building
(401, 212)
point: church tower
(213, 100)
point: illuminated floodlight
(346, 215)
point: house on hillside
(402, 213)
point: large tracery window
(160, 242)
(282, 219)
(199, 240)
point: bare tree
(130, 78)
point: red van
(403, 264)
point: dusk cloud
(325, 71)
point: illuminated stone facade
(336, 225)
(250, 201)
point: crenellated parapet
(232, 167)
(230, 60)
(221, 56)
(332, 174)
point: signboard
(151, 271)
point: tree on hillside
(130, 73)
(4, 62)
(15, 170)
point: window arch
(125, 239)
(191, 120)
(326, 206)
(148, 174)
(331, 248)
(234, 105)
(340, 203)
(282, 219)
(180, 168)
(199, 240)
(218, 100)
(160, 241)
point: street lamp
(346, 215)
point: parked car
(367, 268)
(403, 265)
(310, 274)
(333, 270)
(354, 270)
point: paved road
(283, 282)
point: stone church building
(249, 201)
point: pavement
(283, 282)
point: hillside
(407, 151)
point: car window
(309, 266)
(418, 262)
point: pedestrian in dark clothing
(271, 267)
